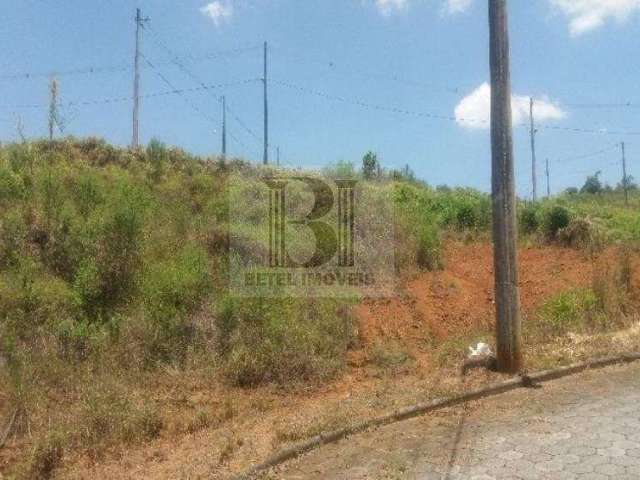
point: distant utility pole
(53, 106)
(625, 180)
(508, 341)
(136, 80)
(265, 158)
(55, 119)
(533, 152)
(278, 156)
(224, 127)
(547, 173)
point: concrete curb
(521, 381)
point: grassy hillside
(113, 274)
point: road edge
(520, 381)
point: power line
(604, 106)
(190, 103)
(173, 91)
(590, 154)
(196, 79)
(184, 97)
(374, 106)
(125, 67)
(335, 67)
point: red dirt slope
(461, 297)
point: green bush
(568, 311)
(429, 252)
(13, 233)
(173, 290)
(31, 299)
(158, 156)
(87, 193)
(11, 185)
(177, 286)
(119, 248)
(554, 219)
(529, 219)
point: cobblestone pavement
(585, 427)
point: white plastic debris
(481, 350)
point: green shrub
(87, 193)
(88, 287)
(529, 219)
(554, 219)
(178, 285)
(51, 194)
(172, 291)
(568, 311)
(31, 299)
(429, 251)
(158, 156)
(119, 252)
(466, 217)
(13, 233)
(11, 185)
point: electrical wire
(374, 106)
(196, 79)
(122, 67)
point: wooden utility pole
(625, 179)
(224, 127)
(534, 182)
(547, 174)
(265, 158)
(508, 342)
(136, 81)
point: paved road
(585, 427)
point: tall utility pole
(547, 173)
(278, 156)
(53, 106)
(625, 179)
(136, 80)
(265, 158)
(508, 341)
(224, 127)
(533, 152)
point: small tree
(370, 165)
(157, 155)
(593, 184)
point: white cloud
(218, 11)
(388, 7)
(474, 110)
(458, 6)
(587, 15)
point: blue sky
(393, 76)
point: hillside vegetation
(113, 274)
